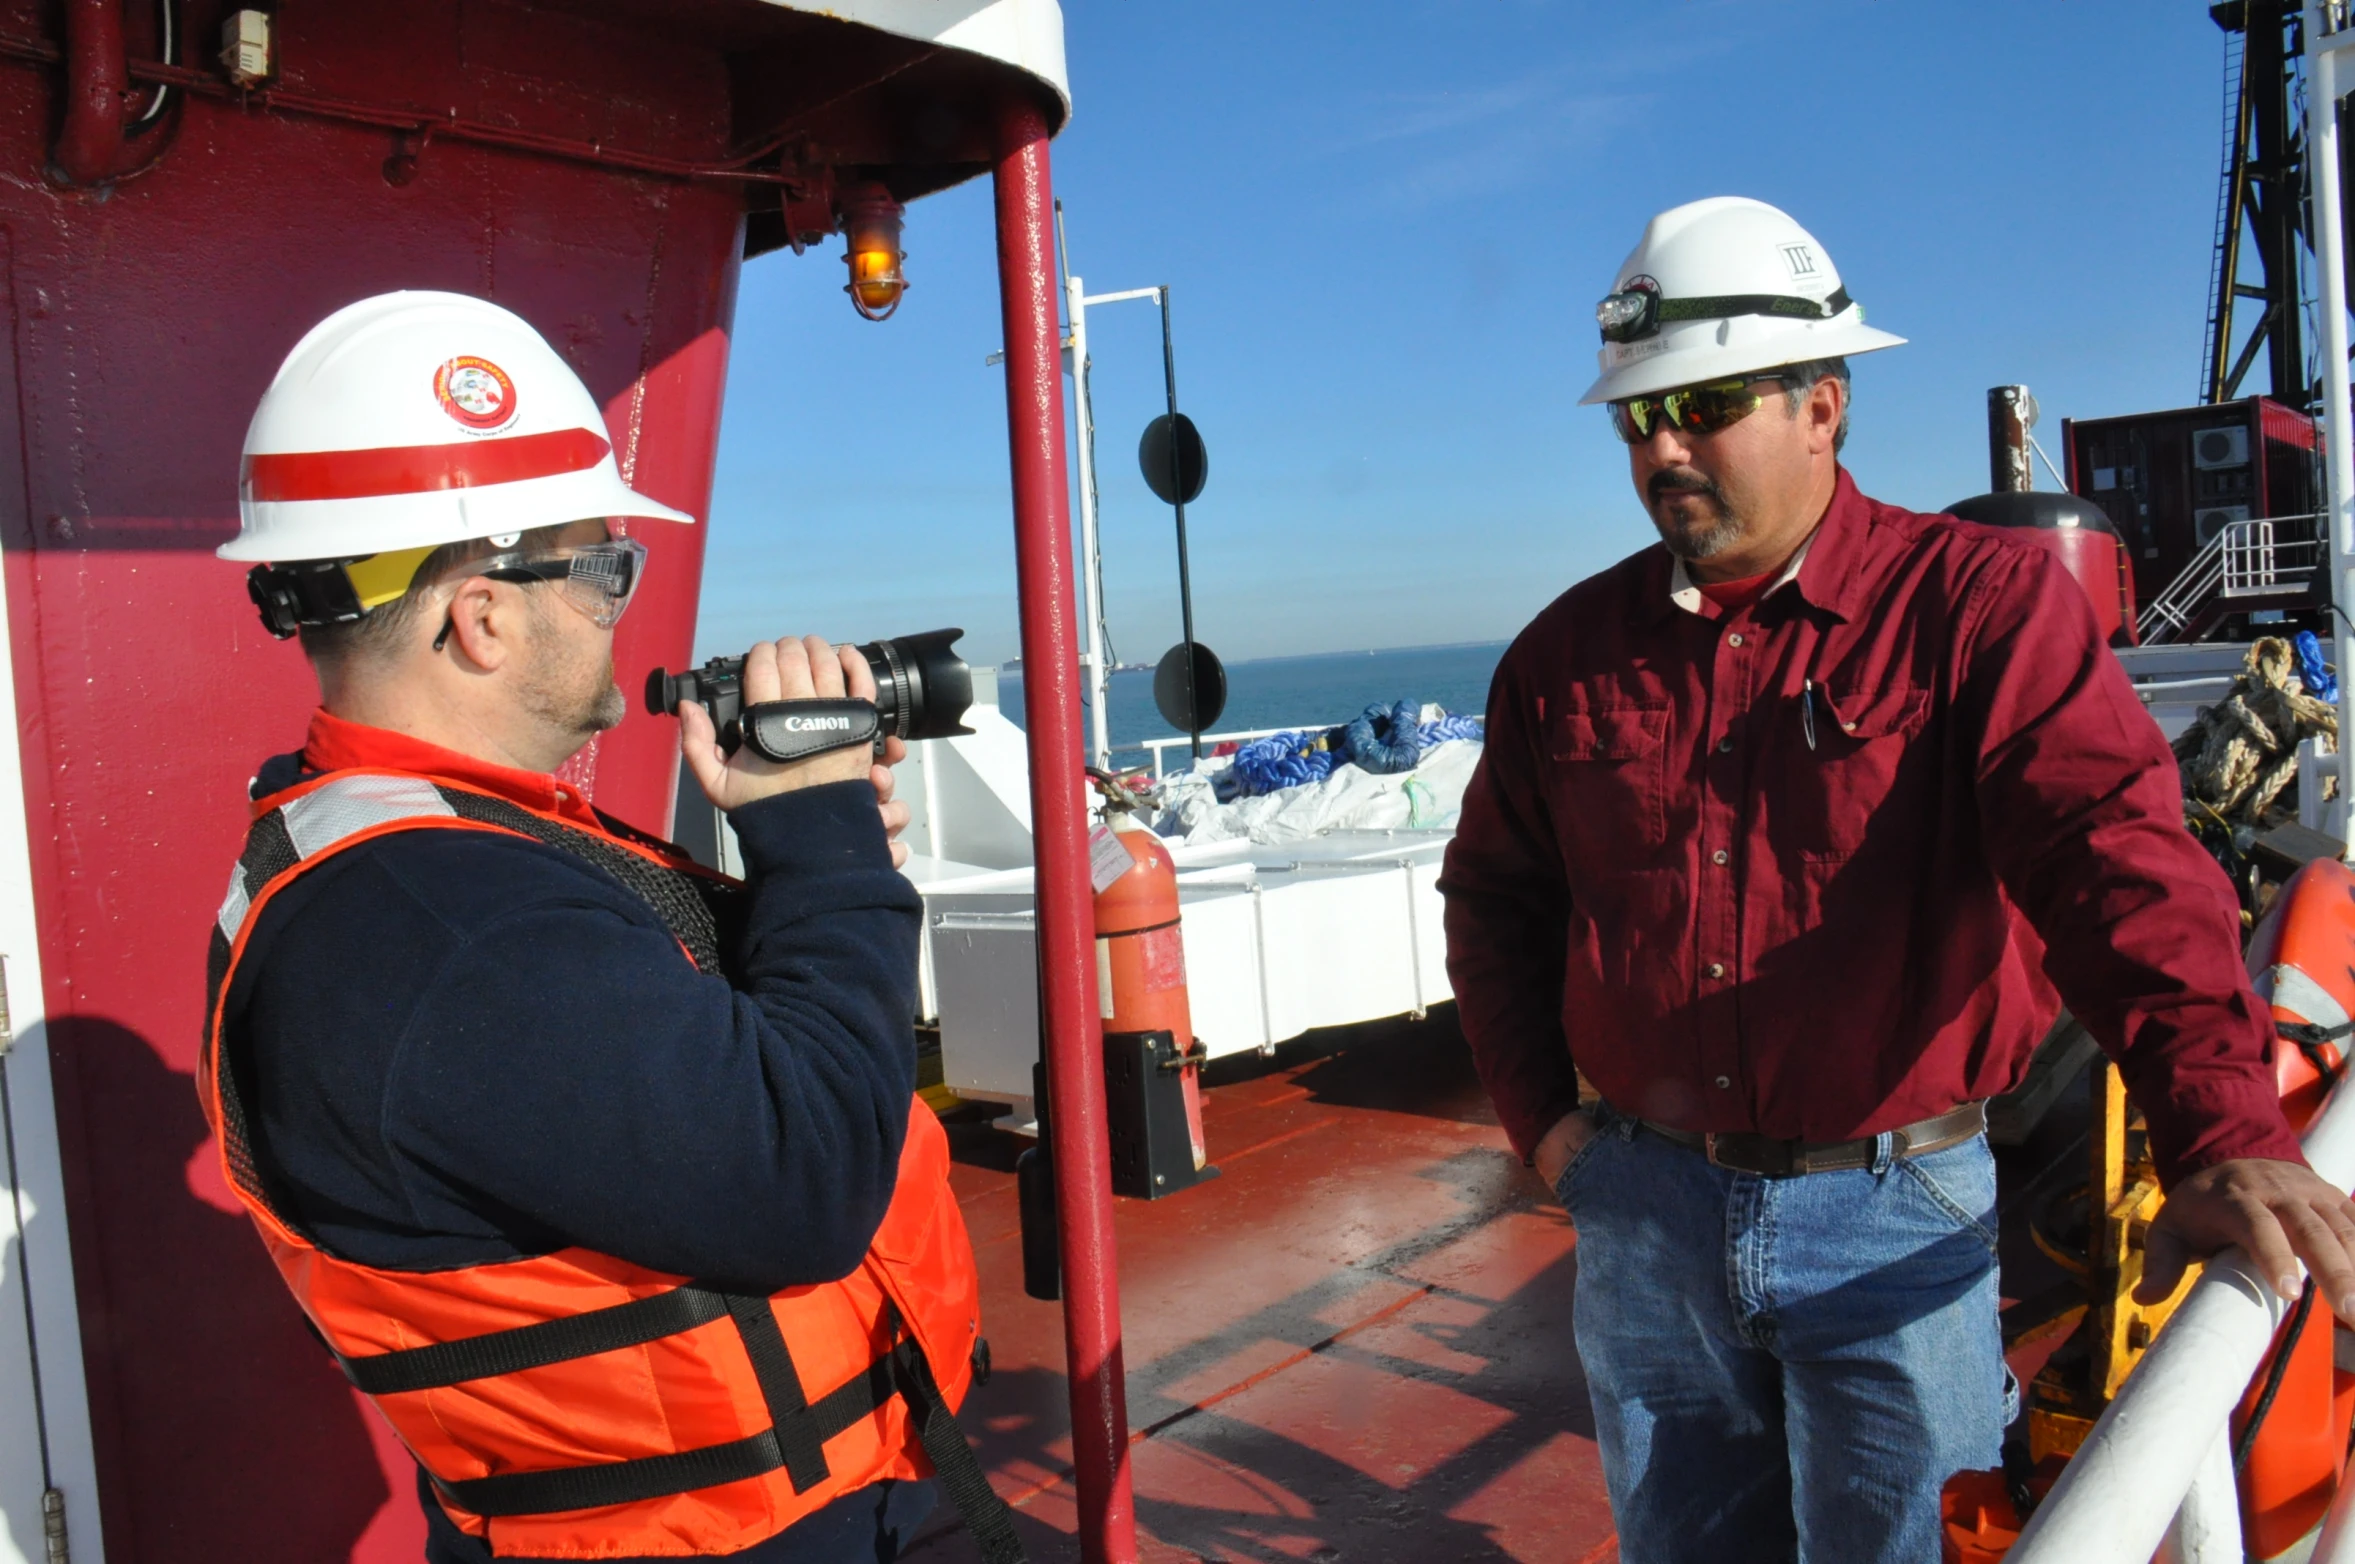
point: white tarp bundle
(1351, 799)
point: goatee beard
(1694, 540)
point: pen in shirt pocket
(1807, 710)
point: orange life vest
(574, 1405)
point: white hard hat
(1723, 287)
(411, 420)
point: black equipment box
(1145, 1113)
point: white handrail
(2207, 1526)
(1238, 737)
(2120, 1492)
(2171, 610)
(2323, 28)
(2242, 559)
(1158, 745)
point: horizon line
(1290, 657)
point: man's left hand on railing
(2277, 1213)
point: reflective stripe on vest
(704, 1438)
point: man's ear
(484, 625)
(1826, 406)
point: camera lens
(922, 687)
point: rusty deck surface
(1353, 1345)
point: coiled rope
(1386, 740)
(2239, 754)
(1391, 739)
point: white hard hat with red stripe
(1722, 288)
(411, 420)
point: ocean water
(1321, 691)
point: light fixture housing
(871, 222)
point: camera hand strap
(786, 731)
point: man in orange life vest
(599, 1174)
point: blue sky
(1386, 225)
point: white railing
(2255, 564)
(1241, 736)
(2166, 615)
(2132, 1481)
(2242, 560)
(1157, 746)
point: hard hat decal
(476, 392)
(1801, 259)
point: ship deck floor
(1354, 1345)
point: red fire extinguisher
(1140, 952)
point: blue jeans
(1784, 1368)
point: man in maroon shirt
(1786, 832)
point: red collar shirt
(1816, 867)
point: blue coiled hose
(2313, 672)
(1386, 740)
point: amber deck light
(871, 225)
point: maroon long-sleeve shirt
(1732, 928)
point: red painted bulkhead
(144, 322)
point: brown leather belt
(1744, 1152)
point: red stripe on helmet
(419, 469)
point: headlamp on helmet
(1637, 311)
(1631, 313)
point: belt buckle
(1774, 1159)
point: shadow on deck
(1354, 1345)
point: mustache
(1681, 480)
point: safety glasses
(597, 578)
(1690, 410)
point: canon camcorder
(922, 689)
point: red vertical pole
(1058, 818)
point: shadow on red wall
(254, 1393)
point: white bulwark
(1279, 940)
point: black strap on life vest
(795, 1439)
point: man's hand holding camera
(784, 670)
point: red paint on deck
(1353, 1345)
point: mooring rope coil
(2239, 754)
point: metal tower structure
(2261, 224)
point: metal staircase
(2243, 567)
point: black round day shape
(1210, 688)
(1193, 459)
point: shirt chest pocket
(1849, 787)
(1607, 782)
